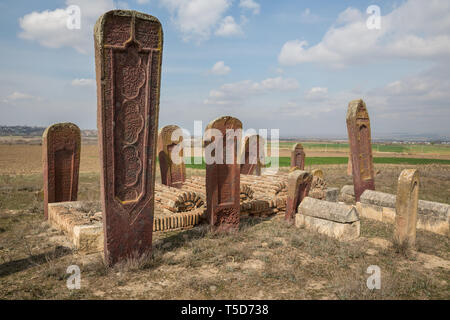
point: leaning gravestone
(358, 127)
(61, 145)
(128, 55)
(223, 177)
(298, 156)
(173, 171)
(253, 155)
(299, 183)
(406, 208)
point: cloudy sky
(292, 65)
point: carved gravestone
(358, 127)
(253, 155)
(299, 183)
(223, 177)
(406, 208)
(298, 156)
(61, 147)
(128, 55)
(173, 170)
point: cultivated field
(266, 259)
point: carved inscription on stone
(223, 179)
(61, 162)
(128, 54)
(298, 156)
(170, 155)
(358, 127)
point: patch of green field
(377, 147)
(286, 161)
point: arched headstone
(223, 177)
(173, 171)
(299, 182)
(253, 156)
(406, 207)
(61, 146)
(298, 156)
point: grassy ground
(266, 259)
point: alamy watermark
(73, 17)
(74, 280)
(374, 20)
(374, 281)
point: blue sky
(292, 65)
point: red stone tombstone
(61, 145)
(298, 156)
(173, 171)
(223, 179)
(299, 183)
(253, 155)
(128, 56)
(358, 127)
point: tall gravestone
(298, 156)
(128, 56)
(299, 183)
(61, 145)
(223, 177)
(358, 127)
(170, 156)
(406, 208)
(253, 156)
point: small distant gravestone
(253, 155)
(406, 208)
(223, 177)
(128, 55)
(358, 127)
(61, 147)
(173, 171)
(298, 156)
(299, 183)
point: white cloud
(414, 30)
(83, 82)
(17, 95)
(220, 68)
(308, 17)
(250, 5)
(231, 93)
(196, 18)
(228, 28)
(49, 28)
(316, 93)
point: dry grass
(266, 259)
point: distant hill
(26, 131)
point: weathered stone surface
(347, 194)
(317, 173)
(298, 156)
(378, 198)
(349, 165)
(432, 216)
(253, 157)
(128, 56)
(222, 179)
(358, 127)
(406, 207)
(299, 183)
(328, 210)
(340, 231)
(173, 171)
(332, 194)
(61, 145)
(318, 188)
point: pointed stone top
(357, 109)
(297, 146)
